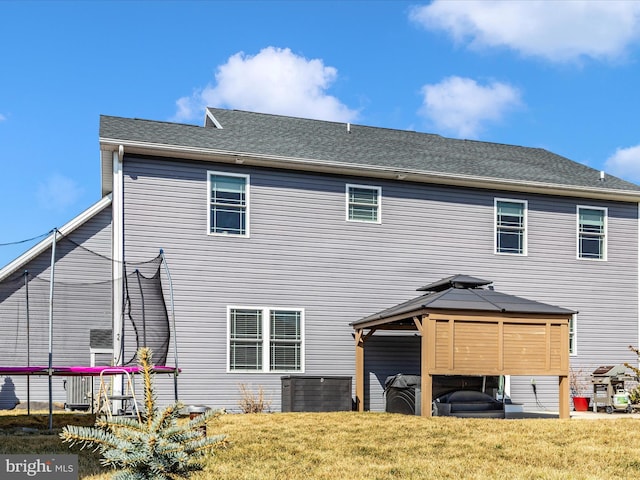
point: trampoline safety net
(83, 290)
(146, 310)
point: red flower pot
(581, 404)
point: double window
(265, 339)
(592, 231)
(511, 226)
(228, 204)
(363, 203)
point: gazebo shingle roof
(463, 297)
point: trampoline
(30, 295)
(82, 371)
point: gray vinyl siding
(388, 355)
(82, 301)
(302, 253)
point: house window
(363, 203)
(592, 228)
(265, 339)
(511, 224)
(228, 204)
(285, 345)
(572, 334)
(245, 339)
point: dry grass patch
(382, 446)
(39, 419)
(22, 433)
(329, 446)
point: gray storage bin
(316, 394)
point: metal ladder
(129, 405)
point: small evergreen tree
(154, 448)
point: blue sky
(558, 75)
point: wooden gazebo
(467, 328)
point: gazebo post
(426, 379)
(359, 371)
(563, 380)
(563, 400)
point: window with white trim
(228, 203)
(510, 226)
(363, 203)
(592, 232)
(266, 339)
(572, 334)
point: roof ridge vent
(455, 281)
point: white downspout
(117, 254)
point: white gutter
(43, 245)
(343, 168)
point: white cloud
(559, 31)
(2, 118)
(625, 163)
(58, 192)
(273, 81)
(461, 106)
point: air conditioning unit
(79, 393)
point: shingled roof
(298, 143)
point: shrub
(253, 402)
(634, 395)
(577, 382)
(156, 447)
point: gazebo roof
(460, 293)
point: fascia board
(106, 171)
(342, 168)
(381, 321)
(44, 244)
